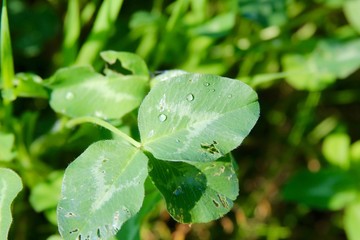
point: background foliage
(298, 169)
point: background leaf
(102, 189)
(327, 189)
(351, 11)
(29, 85)
(46, 195)
(336, 149)
(10, 186)
(352, 221)
(100, 32)
(80, 91)
(199, 192)
(330, 59)
(196, 117)
(6, 145)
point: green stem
(100, 122)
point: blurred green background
(299, 169)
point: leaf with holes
(198, 192)
(129, 61)
(10, 186)
(80, 91)
(196, 117)
(102, 189)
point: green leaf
(10, 186)
(46, 195)
(327, 189)
(264, 12)
(102, 189)
(336, 149)
(352, 221)
(129, 61)
(218, 26)
(196, 117)
(355, 152)
(330, 60)
(6, 145)
(351, 11)
(80, 91)
(195, 193)
(29, 85)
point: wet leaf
(196, 117)
(80, 91)
(102, 189)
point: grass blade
(100, 33)
(72, 32)
(7, 65)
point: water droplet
(162, 117)
(69, 96)
(212, 90)
(178, 191)
(206, 84)
(70, 214)
(151, 133)
(190, 97)
(230, 96)
(100, 114)
(178, 141)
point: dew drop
(69, 96)
(190, 97)
(178, 140)
(230, 96)
(162, 117)
(206, 84)
(151, 133)
(70, 214)
(178, 191)
(212, 90)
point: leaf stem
(102, 123)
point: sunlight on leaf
(196, 117)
